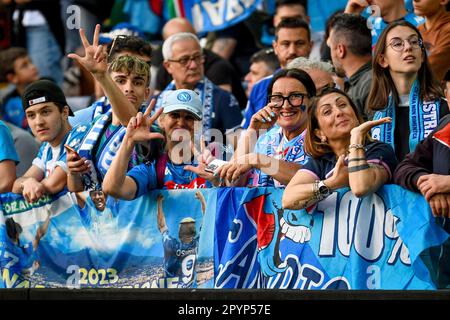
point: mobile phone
(214, 165)
(70, 149)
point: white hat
(183, 99)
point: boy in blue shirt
(47, 114)
(16, 68)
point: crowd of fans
(363, 106)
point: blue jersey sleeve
(13, 112)
(7, 149)
(144, 175)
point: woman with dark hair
(277, 153)
(404, 89)
(343, 154)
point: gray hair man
(183, 59)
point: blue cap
(183, 99)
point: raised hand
(356, 6)
(95, 56)
(358, 133)
(236, 169)
(339, 178)
(138, 129)
(204, 157)
(264, 118)
(76, 164)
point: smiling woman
(343, 154)
(278, 153)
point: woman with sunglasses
(278, 153)
(342, 153)
(404, 89)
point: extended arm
(56, 181)
(8, 170)
(162, 226)
(200, 197)
(301, 192)
(364, 178)
(116, 183)
(29, 185)
(42, 230)
(95, 62)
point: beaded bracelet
(355, 146)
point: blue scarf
(105, 154)
(423, 118)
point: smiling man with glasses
(183, 60)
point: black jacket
(432, 155)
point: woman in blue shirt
(181, 108)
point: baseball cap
(183, 99)
(43, 91)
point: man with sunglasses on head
(183, 59)
(125, 81)
(119, 46)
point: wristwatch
(323, 189)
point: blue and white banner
(342, 243)
(213, 15)
(69, 241)
(220, 237)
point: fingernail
(272, 113)
(269, 119)
(263, 120)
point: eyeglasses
(294, 99)
(184, 61)
(399, 44)
(117, 39)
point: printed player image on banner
(224, 238)
(90, 240)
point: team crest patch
(184, 97)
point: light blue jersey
(7, 149)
